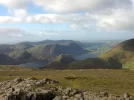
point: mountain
(21, 46)
(92, 63)
(5, 48)
(123, 53)
(5, 60)
(47, 51)
(16, 47)
(21, 56)
(48, 42)
(59, 62)
(68, 62)
(25, 52)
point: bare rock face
(24, 89)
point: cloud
(15, 4)
(13, 32)
(44, 18)
(18, 13)
(119, 20)
(99, 14)
(70, 6)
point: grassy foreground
(114, 81)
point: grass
(114, 81)
(124, 53)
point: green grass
(124, 53)
(114, 81)
(101, 49)
(15, 68)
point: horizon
(78, 20)
(90, 41)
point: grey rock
(18, 80)
(58, 98)
(126, 95)
(22, 89)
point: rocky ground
(31, 89)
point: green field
(95, 80)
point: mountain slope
(5, 60)
(21, 56)
(92, 63)
(59, 62)
(25, 52)
(52, 50)
(68, 62)
(123, 53)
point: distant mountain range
(59, 54)
(122, 56)
(32, 51)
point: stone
(38, 83)
(28, 85)
(131, 97)
(18, 80)
(78, 95)
(126, 95)
(58, 98)
(23, 89)
(104, 94)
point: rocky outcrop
(74, 94)
(23, 89)
(34, 89)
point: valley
(37, 54)
(66, 49)
(57, 72)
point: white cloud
(13, 32)
(104, 14)
(14, 4)
(45, 18)
(18, 12)
(119, 20)
(67, 6)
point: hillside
(5, 60)
(21, 56)
(68, 62)
(25, 52)
(21, 46)
(48, 51)
(59, 62)
(92, 63)
(123, 53)
(16, 47)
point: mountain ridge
(124, 53)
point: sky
(82, 20)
